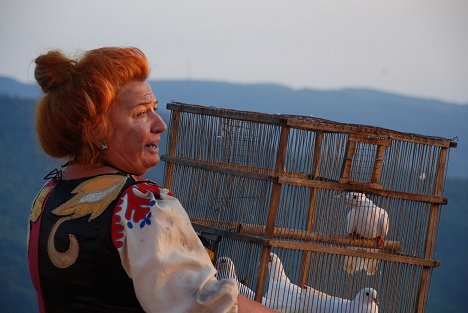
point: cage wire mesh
(363, 162)
(310, 215)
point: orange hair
(73, 117)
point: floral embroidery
(117, 232)
(91, 197)
(134, 208)
(39, 201)
(146, 220)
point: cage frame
(264, 234)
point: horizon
(370, 89)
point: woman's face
(137, 128)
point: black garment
(96, 280)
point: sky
(410, 47)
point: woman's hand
(246, 305)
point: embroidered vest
(73, 263)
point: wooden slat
(305, 262)
(295, 234)
(174, 132)
(362, 188)
(276, 189)
(311, 123)
(262, 272)
(265, 174)
(200, 227)
(364, 129)
(314, 174)
(370, 139)
(226, 168)
(378, 163)
(272, 211)
(383, 255)
(431, 233)
(226, 113)
(349, 252)
(348, 161)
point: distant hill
(14, 88)
(360, 106)
(22, 166)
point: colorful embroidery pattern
(91, 197)
(39, 201)
(135, 204)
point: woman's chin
(152, 162)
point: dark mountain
(362, 106)
(358, 106)
(14, 88)
(22, 165)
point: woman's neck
(77, 170)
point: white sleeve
(168, 264)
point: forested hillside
(407, 114)
(22, 166)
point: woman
(102, 238)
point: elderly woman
(102, 238)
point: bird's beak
(376, 301)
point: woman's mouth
(152, 147)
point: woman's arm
(164, 257)
(246, 305)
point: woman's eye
(148, 110)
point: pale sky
(411, 47)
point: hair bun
(53, 69)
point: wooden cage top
(312, 123)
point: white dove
(227, 270)
(317, 301)
(366, 219)
(365, 302)
(313, 300)
(353, 264)
(282, 294)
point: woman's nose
(158, 125)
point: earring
(103, 146)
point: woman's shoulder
(144, 185)
(135, 207)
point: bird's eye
(354, 197)
(367, 293)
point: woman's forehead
(135, 93)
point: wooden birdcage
(256, 184)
